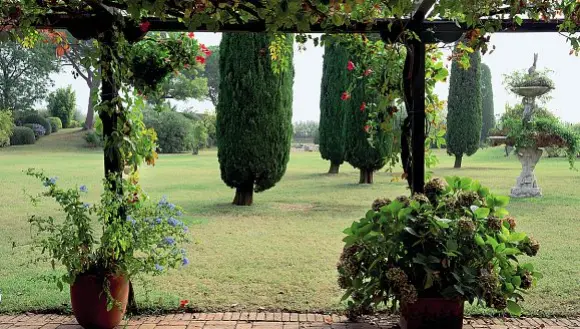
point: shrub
(175, 132)
(55, 123)
(22, 136)
(74, 124)
(62, 104)
(456, 241)
(94, 139)
(38, 130)
(38, 119)
(6, 127)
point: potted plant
(103, 246)
(432, 252)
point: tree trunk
(93, 87)
(458, 159)
(334, 168)
(366, 176)
(244, 196)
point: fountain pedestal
(527, 184)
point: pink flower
(363, 106)
(191, 35)
(200, 59)
(367, 128)
(144, 26)
(345, 96)
(350, 66)
(368, 72)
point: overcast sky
(513, 52)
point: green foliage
(94, 139)
(488, 113)
(464, 116)
(455, 241)
(38, 130)
(6, 128)
(55, 123)
(26, 74)
(335, 81)
(131, 235)
(62, 104)
(212, 73)
(38, 119)
(254, 113)
(305, 129)
(74, 124)
(175, 132)
(521, 78)
(22, 136)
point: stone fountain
(527, 184)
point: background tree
(25, 74)
(212, 74)
(305, 131)
(62, 104)
(79, 49)
(488, 113)
(184, 85)
(358, 151)
(464, 109)
(334, 82)
(254, 113)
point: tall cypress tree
(334, 82)
(358, 151)
(254, 115)
(488, 115)
(464, 109)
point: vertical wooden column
(418, 117)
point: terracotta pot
(89, 302)
(432, 313)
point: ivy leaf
(479, 240)
(481, 213)
(514, 308)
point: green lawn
(280, 253)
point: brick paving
(264, 320)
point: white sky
(513, 52)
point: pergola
(98, 22)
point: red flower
(183, 303)
(368, 72)
(144, 26)
(345, 96)
(350, 66)
(363, 106)
(191, 35)
(186, 66)
(200, 59)
(367, 128)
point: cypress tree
(334, 82)
(254, 115)
(464, 109)
(488, 115)
(358, 151)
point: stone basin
(531, 91)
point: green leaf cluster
(457, 241)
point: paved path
(268, 321)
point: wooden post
(418, 117)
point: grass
(280, 253)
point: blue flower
(171, 206)
(86, 205)
(158, 267)
(131, 220)
(185, 229)
(83, 188)
(179, 213)
(173, 222)
(158, 220)
(162, 202)
(185, 261)
(53, 180)
(169, 240)
(182, 252)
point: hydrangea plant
(135, 236)
(456, 241)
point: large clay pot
(89, 302)
(432, 313)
